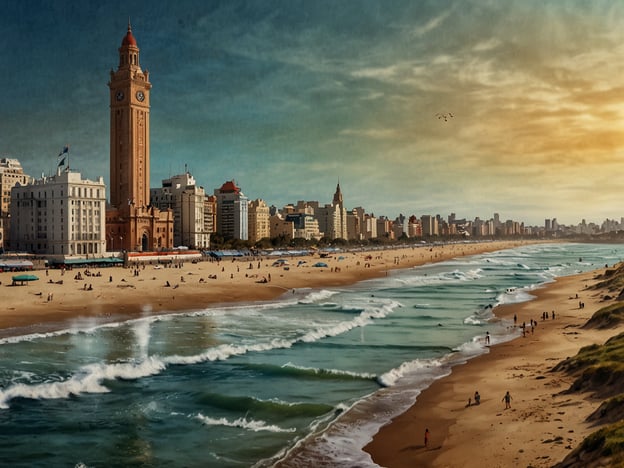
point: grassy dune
(599, 370)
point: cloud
(432, 24)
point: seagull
(444, 116)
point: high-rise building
(210, 214)
(258, 223)
(232, 215)
(61, 215)
(429, 225)
(384, 228)
(11, 174)
(131, 216)
(186, 199)
(332, 218)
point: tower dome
(129, 39)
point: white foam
(244, 423)
(361, 375)
(391, 377)
(317, 296)
(87, 380)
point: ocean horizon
(243, 384)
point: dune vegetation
(599, 371)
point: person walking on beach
(426, 438)
(507, 400)
(487, 338)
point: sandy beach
(542, 424)
(116, 293)
(539, 429)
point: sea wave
(272, 407)
(317, 296)
(244, 423)
(89, 379)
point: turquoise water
(239, 386)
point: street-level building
(61, 215)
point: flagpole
(61, 162)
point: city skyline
(416, 108)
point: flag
(64, 150)
(61, 163)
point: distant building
(370, 226)
(332, 218)
(258, 221)
(399, 226)
(62, 215)
(281, 228)
(11, 174)
(429, 225)
(306, 226)
(384, 228)
(414, 228)
(210, 214)
(232, 211)
(186, 199)
(354, 226)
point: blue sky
(288, 97)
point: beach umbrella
(320, 265)
(24, 278)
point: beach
(230, 371)
(115, 293)
(542, 425)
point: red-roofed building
(232, 211)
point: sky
(471, 107)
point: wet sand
(542, 425)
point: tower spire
(338, 195)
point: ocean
(241, 385)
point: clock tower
(132, 223)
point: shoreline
(543, 424)
(116, 293)
(457, 431)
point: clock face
(119, 96)
(140, 96)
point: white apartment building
(11, 174)
(186, 199)
(62, 215)
(306, 226)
